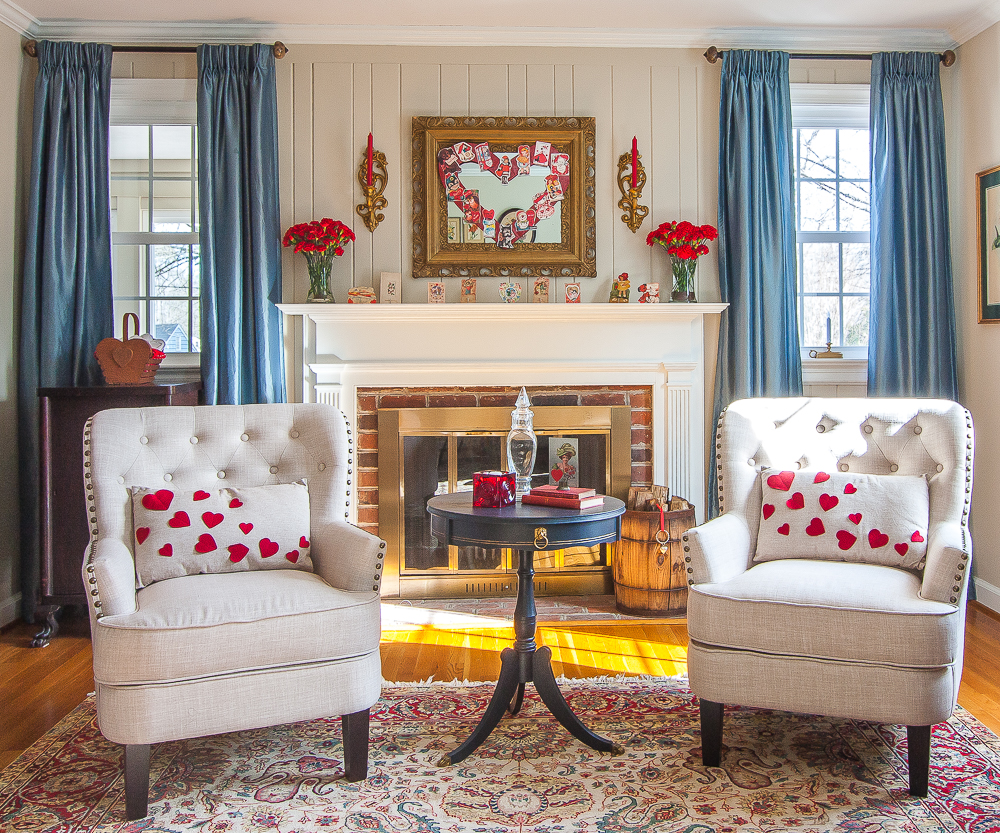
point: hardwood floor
(38, 686)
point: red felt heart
(815, 527)
(166, 551)
(783, 529)
(917, 538)
(902, 548)
(142, 533)
(850, 489)
(267, 547)
(158, 501)
(206, 543)
(796, 501)
(179, 519)
(845, 540)
(303, 542)
(854, 518)
(212, 519)
(556, 474)
(201, 495)
(767, 509)
(237, 552)
(821, 477)
(877, 538)
(782, 481)
(828, 501)
(235, 503)
(292, 556)
(246, 528)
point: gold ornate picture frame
(482, 167)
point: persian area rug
(780, 772)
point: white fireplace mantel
(338, 348)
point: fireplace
(423, 451)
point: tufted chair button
(917, 429)
(168, 477)
(293, 434)
(144, 440)
(121, 479)
(821, 428)
(194, 441)
(751, 462)
(940, 467)
(221, 475)
(245, 437)
(273, 469)
(843, 467)
(893, 467)
(321, 466)
(868, 429)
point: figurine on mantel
(620, 289)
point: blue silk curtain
(759, 337)
(66, 295)
(241, 347)
(911, 342)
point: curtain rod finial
(712, 54)
(948, 58)
(30, 48)
(280, 50)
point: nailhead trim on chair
(88, 481)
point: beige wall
(975, 146)
(12, 131)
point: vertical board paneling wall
(330, 97)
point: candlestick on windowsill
(829, 353)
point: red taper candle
(635, 163)
(370, 150)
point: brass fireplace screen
(430, 451)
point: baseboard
(987, 595)
(10, 609)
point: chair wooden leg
(711, 733)
(136, 780)
(355, 730)
(918, 740)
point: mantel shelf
(339, 313)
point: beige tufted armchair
(848, 640)
(204, 654)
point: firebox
(424, 452)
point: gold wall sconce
(373, 176)
(631, 181)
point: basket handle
(125, 320)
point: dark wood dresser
(62, 510)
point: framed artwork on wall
(988, 224)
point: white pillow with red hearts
(180, 533)
(841, 516)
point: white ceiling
(786, 24)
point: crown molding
(798, 39)
(979, 21)
(18, 19)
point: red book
(563, 502)
(555, 491)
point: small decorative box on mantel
(493, 489)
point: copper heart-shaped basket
(131, 361)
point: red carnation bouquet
(685, 243)
(320, 241)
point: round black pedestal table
(527, 529)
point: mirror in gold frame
(537, 174)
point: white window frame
(157, 101)
(829, 106)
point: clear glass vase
(522, 443)
(320, 268)
(683, 271)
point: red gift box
(493, 489)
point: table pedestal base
(525, 663)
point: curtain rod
(712, 54)
(31, 48)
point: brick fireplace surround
(369, 400)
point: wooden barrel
(649, 582)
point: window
(154, 212)
(832, 206)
